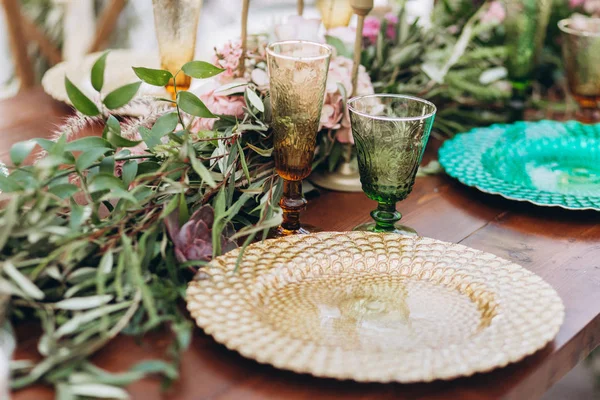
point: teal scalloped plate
(547, 163)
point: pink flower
(228, 57)
(392, 22)
(371, 29)
(576, 3)
(592, 7)
(494, 14)
(218, 103)
(335, 115)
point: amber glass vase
(176, 24)
(298, 73)
(390, 133)
(581, 57)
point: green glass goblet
(390, 133)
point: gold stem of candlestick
(300, 7)
(357, 52)
(245, 7)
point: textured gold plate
(375, 307)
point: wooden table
(561, 246)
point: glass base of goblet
(280, 231)
(397, 228)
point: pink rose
(371, 29)
(494, 14)
(334, 115)
(392, 22)
(218, 103)
(576, 3)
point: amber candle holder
(176, 25)
(581, 58)
(298, 76)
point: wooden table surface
(561, 246)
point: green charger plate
(547, 163)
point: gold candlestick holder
(346, 177)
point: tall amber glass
(298, 73)
(176, 24)
(334, 13)
(581, 57)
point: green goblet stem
(385, 217)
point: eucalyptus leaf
(86, 143)
(130, 169)
(26, 285)
(154, 77)
(201, 69)
(79, 100)
(191, 104)
(8, 184)
(83, 303)
(98, 72)
(89, 157)
(121, 96)
(165, 124)
(255, 100)
(98, 390)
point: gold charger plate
(375, 307)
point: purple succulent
(193, 240)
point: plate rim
(480, 132)
(230, 341)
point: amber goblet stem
(292, 202)
(385, 217)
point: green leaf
(45, 144)
(255, 100)
(28, 287)
(154, 77)
(107, 165)
(130, 169)
(192, 105)
(83, 303)
(148, 137)
(86, 143)
(339, 46)
(105, 182)
(64, 190)
(202, 171)
(9, 185)
(98, 72)
(19, 151)
(99, 391)
(89, 157)
(201, 69)
(262, 152)
(113, 134)
(165, 124)
(78, 215)
(79, 100)
(243, 160)
(156, 367)
(121, 96)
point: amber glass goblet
(176, 24)
(581, 57)
(298, 73)
(390, 133)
